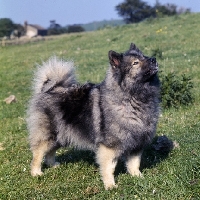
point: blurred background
(50, 17)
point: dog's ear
(115, 58)
(133, 46)
(133, 49)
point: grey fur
(114, 118)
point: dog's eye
(135, 63)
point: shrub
(56, 31)
(176, 90)
(75, 29)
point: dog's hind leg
(133, 164)
(107, 160)
(44, 148)
(39, 152)
(50, 158)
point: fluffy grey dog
(115, 118)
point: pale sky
(67, 12)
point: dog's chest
(134, 113)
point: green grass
(174, 176)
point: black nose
(153, 60)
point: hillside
(173, 176)
(102, 24)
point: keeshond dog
(115, 118)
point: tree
(169, 9)
(19, 30)
(165, 10)
(6, 27)
(134, 11)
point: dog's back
(60, 112)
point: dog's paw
(56, 164)
(50, 162)
(136, 173)
(110, 186)
(36, 173)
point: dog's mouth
(153, 70)
(153, 67)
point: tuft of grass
(172, 176)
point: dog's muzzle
(153, 66)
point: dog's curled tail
(54, 72)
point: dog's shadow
(153, 154)
(74, 155)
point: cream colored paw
(110, 186)
(36, 172)
(136, 173)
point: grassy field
(175, 176)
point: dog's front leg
(107, 160)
